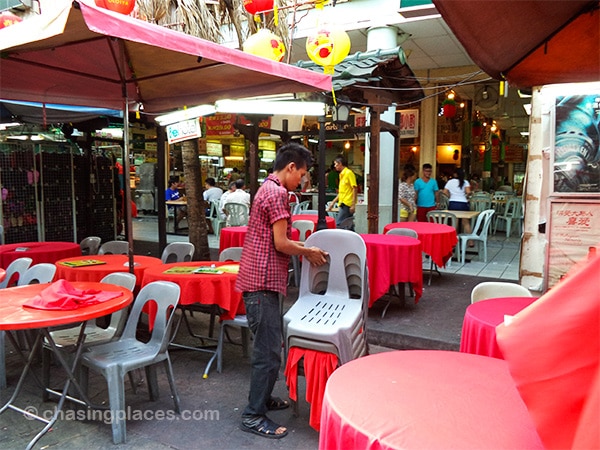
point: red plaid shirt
(262, 268)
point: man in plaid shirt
(263, 276)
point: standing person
(427, 193)
(263, 277)
(347, 191)
(407, 195)
(458, 190)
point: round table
(235, 236)
(330, 221)
(39, 252)
(438, 240)
(425, 399)
(111, 264)
(481, 319)
(393, 259)
(205, 288)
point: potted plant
(449, 107)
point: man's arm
(354, 199)
(314, 255)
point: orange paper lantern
(258, 6)
(120, 6)
(7, 19)
(266, 44)
(328, 47)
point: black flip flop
(263, 427)
(275, 403)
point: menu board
(574, 234)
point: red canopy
(72, 57)
(529, 42)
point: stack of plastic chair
(90, 245)
(114, 248)
(305, 227)
(479, 234)
(115, 359)
(178, 252)
(493, 289)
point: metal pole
(322, 222)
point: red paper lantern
(477, 129)
(258, 6)
(7, 19)
(449, 108)
(120, 6)
(495, 140)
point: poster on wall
(574, 234)
(576, 153)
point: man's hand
(316, 256)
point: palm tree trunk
(196, 206)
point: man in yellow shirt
(347, 191)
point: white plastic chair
(38, 274)
(215, 217)
(115, 359)
(305, 227)
(178, 252)
(237, 214)
(403, 232)
(114, 248)
(479, 234)
(231, 254)
(493, 289)
(445, 218)
(512, 212)
(301, 207)
(90, 245)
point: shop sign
(184, 130)
(409, 123)
(214, 149)
(223, 124)
(513, 154)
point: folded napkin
(62, 295)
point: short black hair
(427, 166)
(240, 183)
(211, 181)
(292, 152)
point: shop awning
(529, 42)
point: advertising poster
(577, 144)
(574, 234)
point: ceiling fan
(486, 98)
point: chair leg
(116, 398)
(220, 347)
(484, 243)
(46, 362)
(152, 382)
(171, 379)
(463, 250)
(508, 226)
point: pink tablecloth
(438, 240)
(39, 252)
(425, 399)
(234, 237)
(393, 259)
(480, 322)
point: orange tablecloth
(425, 399)
(552, 349)
(205, 288)
(481, 319)
(393, 259)
(330, 221)
(114, 263)
(39, 252)
(438, 240)
(234, 237)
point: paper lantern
(495, 140)
(258, 6)
(7, 19)
(476, 129)
(266, 44)
(328, 47)
(449, 108)
(120, 6)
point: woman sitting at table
(458, 190)
(407, 194)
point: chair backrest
(482, 225)
(480, 203)
(90, 245)
(344, 274)
(444, 201)
(403, 232)
(114, 248)
(500, 195)
(346, 224)
(165, 296)
(123, 279)
(178, 252)
(302, 206)
(310, 211)
(38, 274)
(231, 254)
(493, 289)
(443, 217)
(237, 214)
(305, 227)
(513, 208)
(15, 271)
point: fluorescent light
(527, 108)
(524, 133)
(185, 114)
(4, 126)
(296, 108)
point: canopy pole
(322, 221)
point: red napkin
(318, 367)
(552, 348)
(62, 295)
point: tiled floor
(503, 253)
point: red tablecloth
(113, 263)
(39, 252)
(393, 259)
(438, 240)
(205, 288)
(425, 399)
(234, 237)
(315, 218)
(480, 322)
